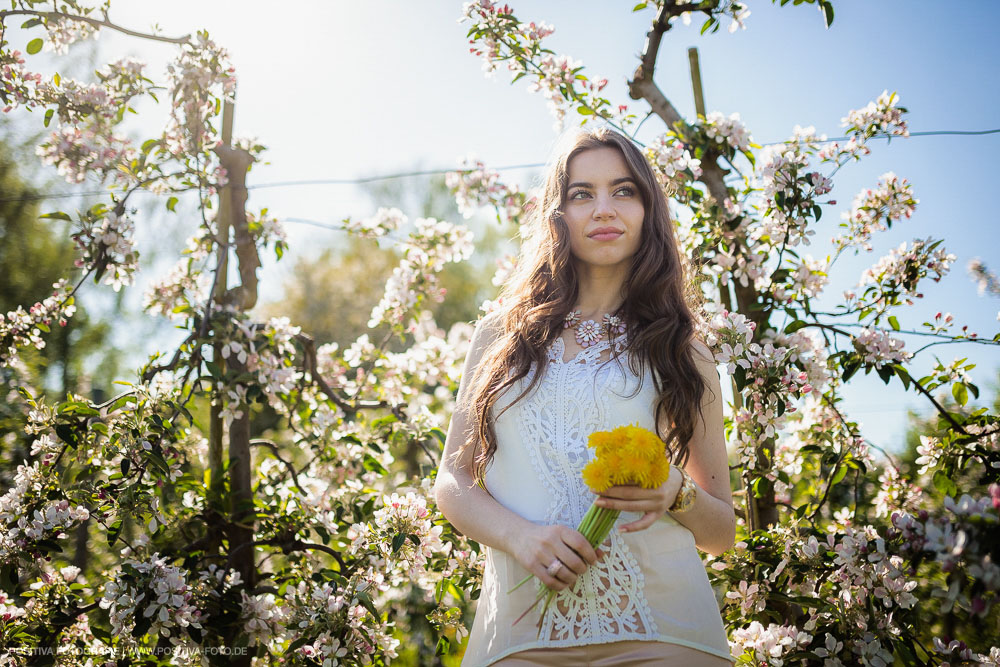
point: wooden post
(222, 223)
(699, 95)
(241, 524)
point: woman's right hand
(541, 545)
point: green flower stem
(605, 518)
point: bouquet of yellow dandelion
(625, 456)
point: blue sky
(348, 89)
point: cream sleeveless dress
(651, 585)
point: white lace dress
(651, 585)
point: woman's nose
(603, 207)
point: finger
(566, 576)
(625, 492)
(644, 505)
(571, 560)
(580, 546)
(645, 521)
(552, 583)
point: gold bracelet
(685, 495)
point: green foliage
(35, 252)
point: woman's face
(603, 209)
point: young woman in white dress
(600, 279)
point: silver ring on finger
(554, 567)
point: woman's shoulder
(487, 329)
(485, 333)
(701, 353)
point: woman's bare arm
(711, 519)
(478, 515)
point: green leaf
(371, 464)
(904, 376)
(57, 215)
(366, 601)
(8, 576)
(384, 421)
(828, 13)
(397, 541)
(795, 326)
(839, 475)
(114, 531)
(157, 461)
(893, 322)
(584, 110)
(67, 434)
(171, 203)
(740, 376)
(960, 392)
(944, 483)
(439, 434)
(48, 117)
(31, 23)
(640, 6)
(35, 45)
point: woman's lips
(606, 236)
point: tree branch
(277, 454)
(97, 23)
(288, 546)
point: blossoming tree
(841, 559)
(215, 541)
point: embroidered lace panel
(571, 401)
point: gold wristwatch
(685, 495)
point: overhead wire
(432, 172)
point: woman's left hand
(653, 503)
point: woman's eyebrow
(617, 181)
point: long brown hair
(658, 307)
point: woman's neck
(599, 292)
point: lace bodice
(536, 472)
(555, 427)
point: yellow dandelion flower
(659, 473)
(597, 476)
(612, 461)
(628, 454)
(633, 468)
(601, 441)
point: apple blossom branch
(104, 22)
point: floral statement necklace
(590, 332)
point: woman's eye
(579, 194)
(627, 191)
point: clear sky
(342, 89)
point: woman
(600, 278)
